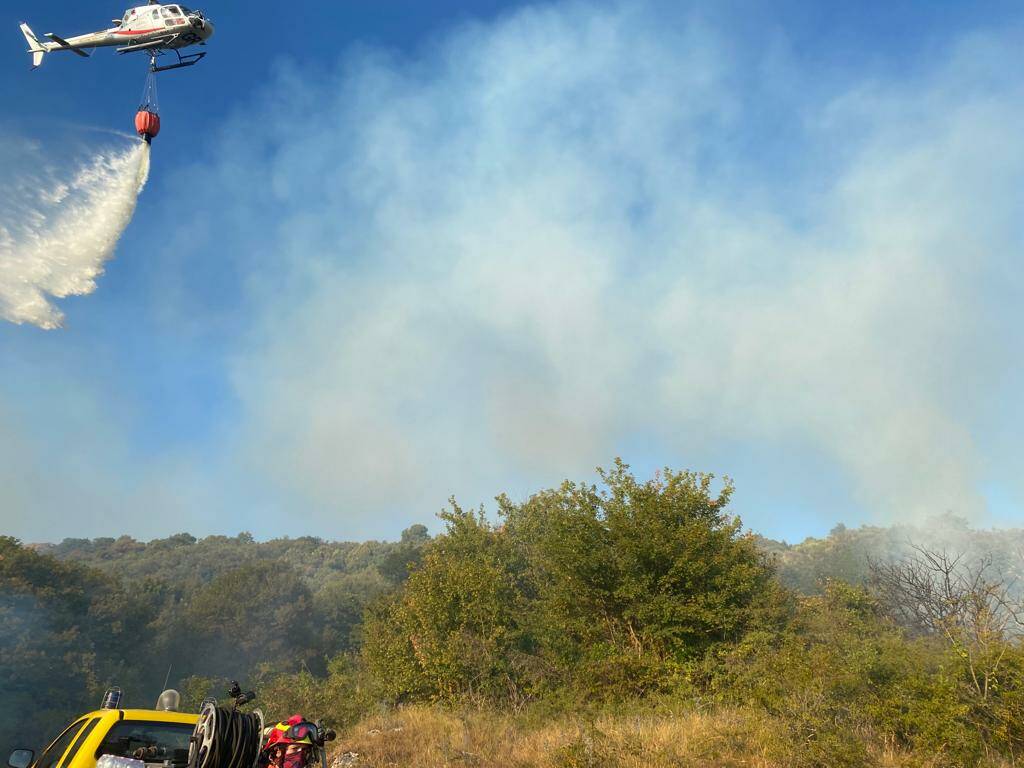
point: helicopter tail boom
(36, 48)
(62, 43)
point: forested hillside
(84, 614)
(583, 601)
(187, 561)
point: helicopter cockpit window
(174, 10)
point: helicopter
(155, 28)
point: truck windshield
(149, 741)
(55, 751)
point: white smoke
(57, 231)
(572, 233)
(581, 232)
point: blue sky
(393, 252)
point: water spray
(59, 227)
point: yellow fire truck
(121, 737)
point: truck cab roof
(121, 732)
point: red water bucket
(147, 124)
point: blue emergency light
(112, 698)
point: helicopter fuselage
(174, 26)
(155, 27)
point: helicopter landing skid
(187, 60)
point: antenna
(168, 678)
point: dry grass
(423, 737)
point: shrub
(610, 592)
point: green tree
(631, 581)
(258, 613)
(451, 632)
(609, 591)
(67, 632)
(840, 675)
(397, 564)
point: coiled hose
(226, 738)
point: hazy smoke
(503, 265)
(56, 232)
(578, 231)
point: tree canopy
(584, 594)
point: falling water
(57, 231)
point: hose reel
(225, 737)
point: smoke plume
(57, 230)
(506, 265)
